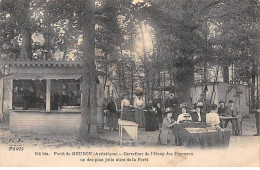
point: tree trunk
(147, 90)
(253, 77)
(47, 38)
(26, 47)
(88, 126)
(225, 74)
(205, 76)
(184, 81)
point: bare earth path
(110, 138)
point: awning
(37, 76)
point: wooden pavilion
(44, 97)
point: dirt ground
(111, 138)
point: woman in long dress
(125, 109)
(166, 134)
(139, 112)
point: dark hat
(213, 106)
(222, 101)
(230, 101)
(184, 105)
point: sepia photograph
(129, 83)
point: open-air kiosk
(44, 97)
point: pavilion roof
(43, 63)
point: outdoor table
(131, 129)
(200, 135)
(226, 118)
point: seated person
(196, 112)
(193, 114)
(184, 117)
(212, 118)
(166, 135)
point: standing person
(172, 103)
(257, 117)
(151, 121)
(205, 108)
(236, 123)
(139, 112)
(222, 108)
(125, 109)
(166, 135)
(222, 112)
(184, 117)
(157, 105)
(212, 118)
(113, 116)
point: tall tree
(88, 126)
(20, 16)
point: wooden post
(48, 95)
(7, 99)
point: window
(65, 94)
(29, 94)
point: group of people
(146, 116)
(203, 111)
(150, 116)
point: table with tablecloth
(200, 135)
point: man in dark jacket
(206, 106)
(222, 112)
(236, 123)
(172, 103)
(113, 115)
(222, 108)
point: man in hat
(151, 120)
(236, 123)
(184, 117)
(113, 115)
(166, 135)
(212, 118)
(222, 112)
(222, 108)
(156, 100)
(205, 108)
(172, 103)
